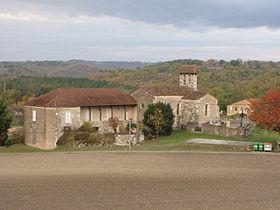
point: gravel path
(216, 141)
(90, 180)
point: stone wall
(40, 131)
(176, 106)
(188, 80)
(223, 131)
(212, 114)
(143, 100)
(124, 139)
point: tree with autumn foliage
(158, 118)
(114, 123)
(266, 111)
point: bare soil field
(90, 180)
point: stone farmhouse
(190, 107)
(240, 106)
(46, 116)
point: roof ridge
(56, 97)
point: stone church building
(190, 107)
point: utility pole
(129, 142)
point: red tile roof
(253, 100)
(75, 97)
(186, 92)
(188, 69)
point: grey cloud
(181, 13)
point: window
(206, 110)
(178, 109)
(34, 115)
(141, 106)
(68, 117)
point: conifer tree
(5, 122)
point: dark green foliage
(81, 136)
(229, 82)
(66, 139)
(158, 124)
(87, 127)
(5, 122)
(22, 88)
(75, 138)
(133, 125)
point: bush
(94, 139)
(16, 137)
(133, 125)
(81, 136)
(87, 127)
(108, 139)
(84, 139)
(66, 139)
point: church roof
(75, 97)
(188, 69)
(186, 92)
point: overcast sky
(139, 30)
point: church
(190, 106)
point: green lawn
(174, 142)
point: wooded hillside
(228, 81)
(72, 68)
(21, 89)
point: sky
(139, 30)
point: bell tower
(188, 76)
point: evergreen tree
(5, 122)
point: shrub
(108, 139)
(94, 139)
(133, 125)
(66, 139)
(17, 137)
(114, 123)
(87, 127)
(81, 136)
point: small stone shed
(46, 116)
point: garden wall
(223, 131)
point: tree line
(20, 89)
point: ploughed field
(92, 180)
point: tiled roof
(75, 97)
(253, 100)
(186, 92)
(188, 69)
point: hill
(109, 65)
(228, 81)
(72, 68)
(21, 89)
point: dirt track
(91, 180)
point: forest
(229, 81)
(18, 90)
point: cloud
(154, 30)
(180, 13)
